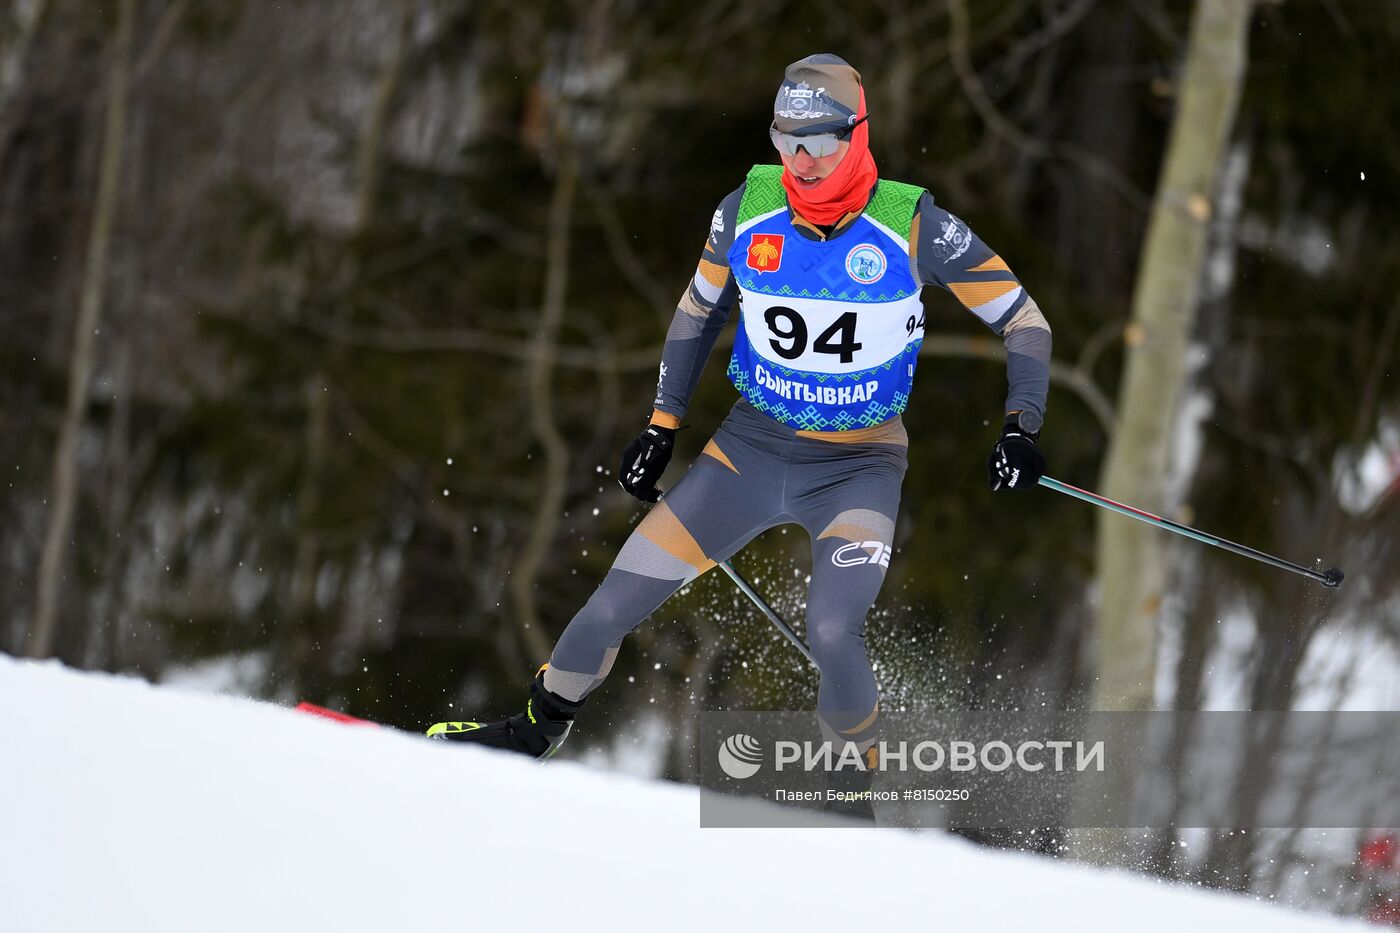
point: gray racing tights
(842, 487)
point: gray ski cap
(819, 94)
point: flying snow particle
(1363, 176)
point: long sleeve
(946, 253)
(700, 316)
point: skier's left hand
(1016, 462)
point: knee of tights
(832, 640)
(608, 618)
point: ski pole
(1331, 577)
(767, 610)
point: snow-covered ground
(126, 807)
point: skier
(828, 261)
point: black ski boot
(537, 732)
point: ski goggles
(818, 145)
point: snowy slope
(125, 807)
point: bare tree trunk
(65, 461)
(307, 559)
(103, 647)
(556, 452)
(1198, 635)
(1132, 557)
(1104, 117)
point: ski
(442, 730)
(312, 709)
(499, 735)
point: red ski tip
(324, 713)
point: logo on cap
(803, 103)
(765, 252)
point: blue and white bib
(829, 330)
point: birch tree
(94, 290)
(1134, 560)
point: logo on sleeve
(866, 264)
(953, 240)
(765, 252)
(717, 222)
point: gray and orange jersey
(943, 251)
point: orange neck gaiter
(844, 190)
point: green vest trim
(893, 204)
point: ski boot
(849, 790)
(537, 732)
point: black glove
(644, 460)
(1015, 463)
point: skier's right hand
(644, 460)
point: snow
(230, 673)
(1349, 667)
(128, 807)
(1362, 478)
